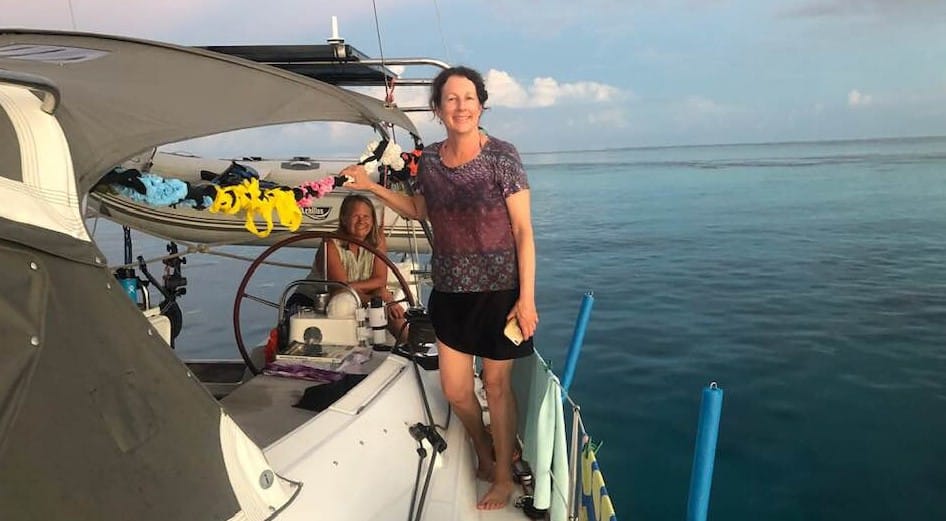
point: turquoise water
(808, 279)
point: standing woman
(473, 189)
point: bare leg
(456, 378)
(502, 414)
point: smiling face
(359, 220)
(459, 107)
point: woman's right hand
(358, 177)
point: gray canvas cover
(98, 419)
(121, 96)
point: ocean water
(807, 279)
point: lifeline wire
(72, 15)
(443, 39)
(377, 27)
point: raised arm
(520, 218)
(412, 207)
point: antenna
(336, 41)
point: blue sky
(600, 73)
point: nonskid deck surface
(263, 407)
(218, 371)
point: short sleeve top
(473, 246)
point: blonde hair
(348, 205)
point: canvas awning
(98, 418)
(120, 96)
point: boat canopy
(336, 64)
(116, 96)
(98, 418)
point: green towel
(542, 425)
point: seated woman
(349, 263)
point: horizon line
(737, 144)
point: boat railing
(571, 362)
(578, 438)
(340, 64)
(596, 500)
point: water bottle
(377, 320)
(129, 282)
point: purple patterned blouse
(473, 246)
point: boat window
(49, 53)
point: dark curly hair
(436, 88)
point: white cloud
(506, 91)
(856, 98)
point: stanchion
(574, 349)
(704, 456)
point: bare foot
(497, 496)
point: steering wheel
(242, 295)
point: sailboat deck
(263, 407)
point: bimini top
(338, 65)
(115, 96)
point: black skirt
(473, 323)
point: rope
(573, 451)
(72, 16)
(388, 87)
(206, 249)
(555, 379)
(95, 224)
(443, 39)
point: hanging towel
(595, 501)
(544, 445)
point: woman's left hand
(527, 316)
